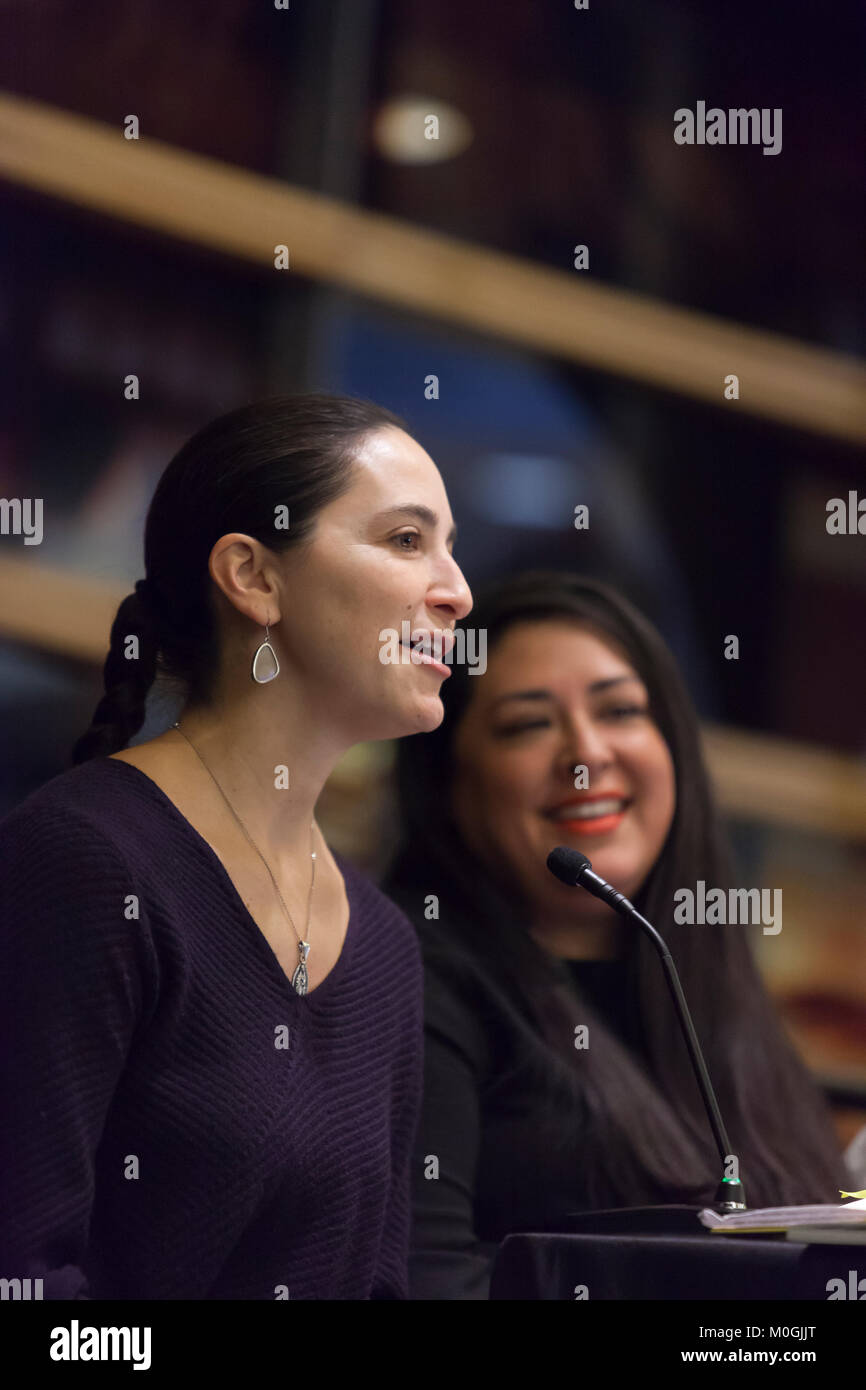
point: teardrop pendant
(299, 979)
(265, 664)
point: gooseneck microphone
(573, 868)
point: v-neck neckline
(337, 969)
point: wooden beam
(60, 611)
(560, 313)
(767, 780)
(786, 783)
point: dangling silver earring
(265, 664)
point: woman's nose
(585, 746)
(453, 593)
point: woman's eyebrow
(546, 695)
(420, 513)
(612, 680)
(522, 695)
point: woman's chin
(403, 720)
(427, 714)
(622, 871)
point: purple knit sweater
(175, 1122)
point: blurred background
(561, 376)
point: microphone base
(730, 1196)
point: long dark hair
(643, 1133)
(292, 452)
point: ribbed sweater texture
(175, 1121)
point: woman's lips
(437, 665)
(599, 825)
(588, 824)
(421, 658)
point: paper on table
(785, 1218)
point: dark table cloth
(550, 1266)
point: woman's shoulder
(68, 873)
(76, 810)
(75, 932)
(71, 852)
(102, 798)
(93, 832)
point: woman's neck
(593, 939)
(269, 760)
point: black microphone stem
(682, 1009)
(573, 868)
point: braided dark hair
(294, 452)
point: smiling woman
(578, 757)
(226, 1104)
(556, 1079)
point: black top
(603, 983)
(504, 1163)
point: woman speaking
(212, 1051)
(556, 1075)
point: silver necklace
(299, 978)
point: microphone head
(567, 864)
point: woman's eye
(626, 711)
(521, 728)
(406, 536)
